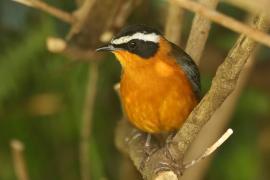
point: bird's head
(136, 44)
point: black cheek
(146, 49)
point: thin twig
(225, 21)
(86, 125)
(174, 21)
(199, 32)
(17, 148)
(60, 14)
(211, 149)
(58, 45)
(124, 12)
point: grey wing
(189, 67)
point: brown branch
(254, 7)
(174, 21)
(86, 124)
(124, 12)
(92, 23)
(58, 45)
(199, 32)
(60, 14)
(119, 20)
(222, 86)
(81, 14)
(17, 148)
(217, 124)
(225, 21)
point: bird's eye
(132, 45)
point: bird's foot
(168, 143)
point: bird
(160, 83)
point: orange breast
(156, 96)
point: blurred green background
(42, 97)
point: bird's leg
(148, 150)
(148, 141)
(169, 141)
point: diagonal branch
(252, 6)
(225, 21)
(217, 124)
(82, 14)
(222, 86)
(174, 21)
(58, 13)
(199, 32)
(58, 45)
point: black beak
(108, 47)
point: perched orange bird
(160, 83)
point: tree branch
(17, 148)
(199, 32)
(222, 85)
(86, 124)
(217, 124)
(119, 20)
(60, 14)
(95, 20)
(81, 13)
(58, 45)
(254, 7)
(225, 21)
(174, 21)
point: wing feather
(189, 67)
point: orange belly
(154, 103)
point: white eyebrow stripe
(153, 37)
